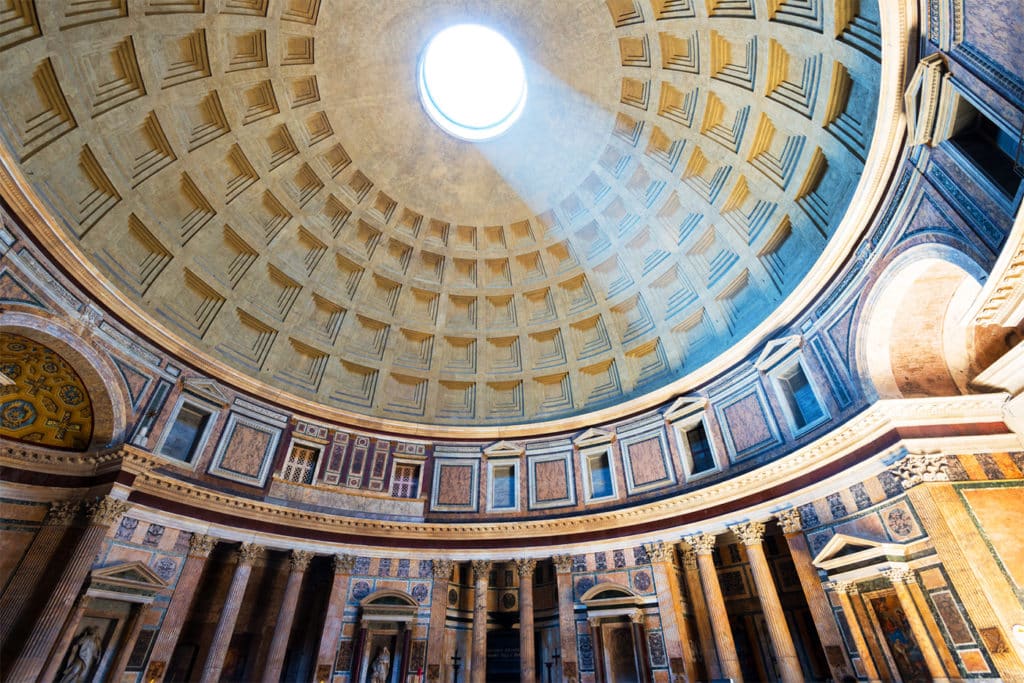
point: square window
(405, 481)
(300, 467)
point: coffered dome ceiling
(258, 180)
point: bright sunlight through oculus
(472, 82)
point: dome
(262, 192)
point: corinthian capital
(61, 512)
(789, 520)
(749, 533)
(659, 552)
(299, 560)
(249, 553)
(902, 575)
(689, 556)
(344, 564)
(104, 510)
(481, 570)
(702, 544)
(525, 567)
(847, 587)
(442, 569)
(201, 545)
(563, 563)
(915, 468)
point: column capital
(659, 552)
(689, 556)
(249, 553)
(594, 622)
(442, 569)
(61, 512)
(343, 564)
(916, 468)
(846, 587)
(105, 510)
(636, 616)
(904, 575)
(481, 569)
(702, 544)
(790, 521)
(749, 533)
(525, 567)
(201, 545)
(563, 563)
(300, 559)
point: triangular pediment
(593, 437)
(128, 577)
(208, 389)
(685, 406)
(504, 449)
(778, 350)
(843, 550)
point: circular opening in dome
(472, 82)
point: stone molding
(789, 521)
(442, 569)
(61, 512)
(104, 510)
(299, 560)
(916, 468)
(525, 567)
(702, 544)
(248, 553)
(201, 545)
(749, 533)
(563, 563)
(344, 564)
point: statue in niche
(381, 666)
(85, 650)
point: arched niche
(386, 622)
(915, 338)
(109, 403)
(618, 632)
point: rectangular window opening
(600, 476)
(503, 492)
(186, 433)
(799, 394)
(405, 481)
(301, 464)
(701, 457)
(992, 150)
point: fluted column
(442, 570)
(343, 565)
(478, 661)
(247, 554)
(900, 579)
(670, 604)
(527, 657)
(751, 534)
(102, 512)
(703, 545)
(844, 591)
(33, 564)
(297, 563)
(131, 634)
(700, 613)
(199, 549)
(821, 610)
(566, 619)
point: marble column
(102, 513)
(700, 613)
(343, 565)
(703, 545)
(527, 654)
(298, 562)
(566, 618)
(199, 549)
(33, 564)
(817, 601)
(478, 659)
(248, 553)
(597, 641)
(131, 634)
(845, 591)
(442, 570)
(901, 578)
(643, 657)
(674, 628)
(751, 534)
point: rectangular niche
(552, 480)
(455, 484)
